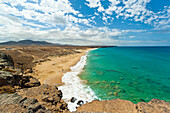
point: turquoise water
(131, 73)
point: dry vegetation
(26, 57)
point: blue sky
(87, 22)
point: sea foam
(73, 86)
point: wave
(73, 86)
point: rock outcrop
(48, 96)
(41, 99)
(123, 106)
(6, 60)
(14, 103)
(9, 76)
(23, 93)
(6, 78)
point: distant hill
(29, 43)
(44, 43)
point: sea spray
(73, 86)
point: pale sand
(51, 72)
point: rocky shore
(22, 93)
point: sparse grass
(27, 55)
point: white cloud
(80, 15)
(13, 2)
(133, 10)
(131, 36)
(133, 30)
(93, 3)
(64, 19)
(14, 30)
(54, 12)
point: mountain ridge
(45, 43)
(29, 43)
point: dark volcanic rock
(73, 99)
(80, 103)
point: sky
(87, 22)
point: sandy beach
(51, 72)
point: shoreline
(51, 71)
(48, 98)
(63, 72)
(73, 87)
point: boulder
(34, 107)
(73, 99)
(6, 78)
(80, 103)
(32, 82)
(48, 99)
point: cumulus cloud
(133, 10)
(14, 30)
(57, 20)
(54, 12)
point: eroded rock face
(10, 77)
(6, 78)
(6, 60)
(30, 98)
(28, 82)
(14, 103)
(42, 99)
(48, 96)
(123, 106)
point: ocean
(130, 73)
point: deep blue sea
(131, 73)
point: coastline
(51, 71)
(63, 72)
(73, 87)
(51, 98)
